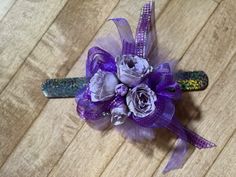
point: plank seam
(25, 58)
(112, 157)
(227, 142)
(8, 11)
(210, 16)
(162, 11)
(217, 1)
(59, 159)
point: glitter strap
(67, 87)
(146, 21)
(192, 81)
(62, 88)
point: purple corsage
(133, 91)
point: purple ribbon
(161, 80)
(126, 37)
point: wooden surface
(43, 39)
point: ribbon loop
(99, 59)
(126, 36)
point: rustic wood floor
(42, 39)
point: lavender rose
(131, 69)
(121, 89)
(119, 114)
(102, 86)
(141, 100)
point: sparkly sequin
(144, 26)
(192, 81)
(63, 88)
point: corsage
(133, 91)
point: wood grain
(181, 23)
(225, 164)
(22, 101)
(20, 30)
(5, 6)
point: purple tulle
(161, 81)
(135, 132)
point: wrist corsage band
(133, 91)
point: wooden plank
(217, 123)
(26, 156)
(225, 164)
(73, 160)
(31, 162)
(20, 31)
(173, 38)
(95, 154)
(5, 6)
(22, 101)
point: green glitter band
(192, 81)
(67, 87)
